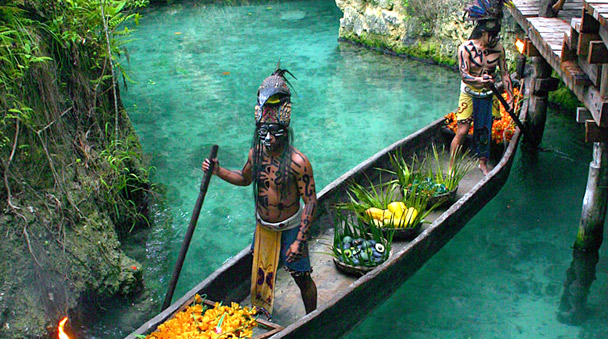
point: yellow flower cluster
(197, 322)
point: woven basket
(402, 233)
(443, 198)
(356, 270)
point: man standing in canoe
(281, 175)
(478, 58)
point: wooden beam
(575, 24)
(598, 53)
(531, 50)
(582, 115)
(588, 23)
(574, 73)
(594, 133)
(568, 54)
(604, 84)
(593, 71)
(574, 40)
(597, 105)
(604, 34)
(544, 85)
(584, 39)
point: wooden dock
(575, 44)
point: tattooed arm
(306, 190)
(235, 177)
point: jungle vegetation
(73, 179)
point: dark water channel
(197, 68)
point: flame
(520, 46)
(62, 334)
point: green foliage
(564, 98)
(450, 177)
(58, 91)
(431, 168)
(361, 197)
(429, 11)
(124, 179)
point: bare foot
(484, 168)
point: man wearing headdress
(478, 58)
(281, 175)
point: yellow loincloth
(266, 254)
(267, 249)
(465, 102)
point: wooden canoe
(338, 292)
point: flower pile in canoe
(201, 322)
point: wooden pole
(585, 255)
(593, 216)
(188, 237)
(537, 108)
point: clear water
(197, 69)
(502, 275)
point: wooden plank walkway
(575, 44)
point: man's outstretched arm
(235, 177)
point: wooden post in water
(541, 83)
(585, 255)
(593, 216)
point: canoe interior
(337, 291)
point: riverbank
(74, 179)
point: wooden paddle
(509, 110)
(190, 231)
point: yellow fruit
(410, 215)
(388, 222)
(376, 213)
(397, 208)
(378, 223)
(394, 222)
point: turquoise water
(502, 275)
(197, 69)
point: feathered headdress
(480, 10)
(274, 90)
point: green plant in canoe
(450, 177)
(431, 177)
(357, 244)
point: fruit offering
(362, 252)
(397, 215)
(199, 321)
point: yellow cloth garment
(267, 249)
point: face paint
(266, 132)
(272, 129)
